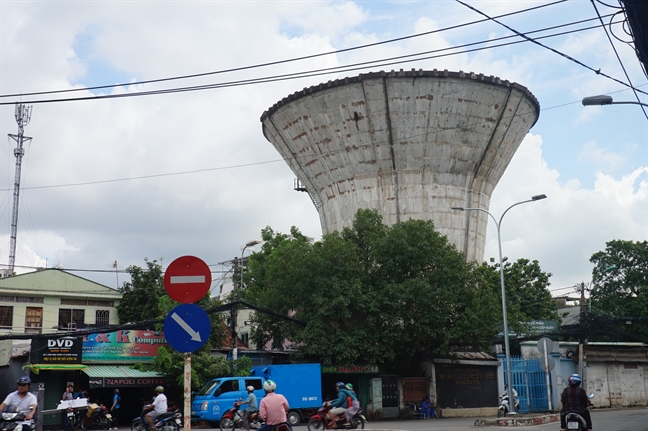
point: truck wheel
(213, 424)
(226, 424)
(293, 418)
(315, 424)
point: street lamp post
(606, 100)
(507, 349)
(237, 286)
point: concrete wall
(409, 144)
(617, 384)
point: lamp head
(597, 100)
(538, 197)
(253, 242)
(457, 208)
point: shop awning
(36, 368)
(108, 376)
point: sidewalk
(519, 420)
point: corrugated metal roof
(118, 371)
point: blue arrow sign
(187, 328)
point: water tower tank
(411, 144)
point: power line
(273, 63)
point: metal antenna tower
(22, 115)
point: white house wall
(617, 384)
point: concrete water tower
(410, 144)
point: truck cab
(218, 396)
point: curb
(519, 422)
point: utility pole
(234, 309)
(22, 115)
(582, 341)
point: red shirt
(273, 408)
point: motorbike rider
(574, 399)
(273, 408)
(23, 401)
(159, 406)
(251, 402)
(342, 404)
(504, 396)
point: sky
(108, 182)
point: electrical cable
(238, 69)
(643, 108)
(597, 71)
(315, 72)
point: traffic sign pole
(187, 392)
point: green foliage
(372, 293)
(527, 291)
(620, 289)
(140, 295)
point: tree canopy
(619, 294)
(527, 291)
(371, 294)
(140, 294)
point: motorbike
(11, 421)
(576, 422)
(504, 406)
(321, 421)
(233, 418)
(94, 418)
(414, 410)
(169, 421)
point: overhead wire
(535, 41)
(643, 108)
(274, 63)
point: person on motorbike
(342, 404)
(251, 402)
(159, 406)
(504, 396)
(23, 401)
(574, 399)
(273, 408)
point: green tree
(374, 293)
(527, 291)
(141, 294)
(619, 295)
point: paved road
(635, 419)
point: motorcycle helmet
(269, 386)
(339, 385)
(24, 380)
(250, 388)
(575, 379)
(349, 386)
(116, 391)
(159, 389)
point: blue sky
(590, 161)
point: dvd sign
(65, 350)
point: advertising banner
(125, 382)
(354, 369)
(125, 346)
(65, 350)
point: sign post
(187, 279)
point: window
(33, 320)
(90, 302)
(256, 383)
(6, 317)
(102, 317)
(229, 386)
(245, 338)
(71, 317)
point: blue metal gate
(530, 382)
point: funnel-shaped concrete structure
(411, 144)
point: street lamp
(507, 349)
(606, 100)
(234, 312)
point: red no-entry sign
(187, 279)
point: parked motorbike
(233, 418)
(169, 421)
(414, 410)
(576, 422)
(321, 421)
(11, 421)
(504, 406)
(94, 418)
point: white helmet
(250, 388)
(269, 386)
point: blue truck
(301, 384)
